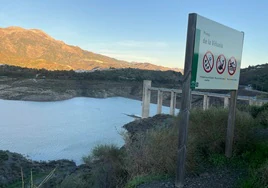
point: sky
(139, 30)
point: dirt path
(214, 178)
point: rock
(10, 168)
(142, 125)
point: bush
(3, 156)
(108, 170)
(257, 160)
(207, 133)
(256, 110)
(77, 180)
(153, 152)
(257, 154)
(262, 174)
(262, 118)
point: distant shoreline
(49, 90)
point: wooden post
(146, 97)
(159, 101)
(171, 110)
(231, 125)
(185, 101)
(226, 102)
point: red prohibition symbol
(208, 62)
(221, 64)
(232, 64)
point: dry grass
(108, 169)
(155, 152)
(32, 185)
(152, 153)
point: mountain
(33, 48)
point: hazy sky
(139, 30)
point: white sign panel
(217, 56)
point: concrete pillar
(172, 103)
(226, 102)
(175, 101)
(159, 101)
(251, 102)
(206, 102)
(146, 98)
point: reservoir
(67, 129)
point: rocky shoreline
(44, 90)
(47, 90)
(55, 90)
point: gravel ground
(215, 178)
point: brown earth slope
(34, 48)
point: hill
(17, 83)
(256, 76)
(33, 48)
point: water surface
(64, 129)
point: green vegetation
(138, 180)
(256, 159)
(108, 169)
(30, 180)
(127, 74)
(256, 76)
(151, 155)
(3, 157)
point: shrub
(3, 156)
(257, 154)
(262, 118)
(153, 152)
(207, 130)
(77, 180)
(108, 170)
(257, 160)
(256, 110)
(262, 174)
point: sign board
(217, 56)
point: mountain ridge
(33, 48)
